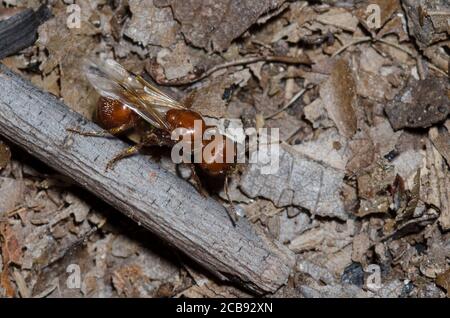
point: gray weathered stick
(161, 202)
(20, 30)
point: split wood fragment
(19, 29)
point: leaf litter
(363, 177)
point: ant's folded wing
(111, 80)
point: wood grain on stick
(18, 29)
(155, 198)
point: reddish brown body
(218, 165)
(155, 115)
(180, 118)
(112, 114)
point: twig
(48, 290)
(437, 69)
(20, 30)
(416, 56)
(399, 47)
(267, 46)
(437, 13)
(290, 103)
(354, 42)
(370, 39)
(24, 291)
(420, 69)
(303, 59)
(158, 200)
(407, 223)
(288, 140)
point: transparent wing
(111, 80)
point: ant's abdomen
(112, 113)
(215, 163)
(191, 123)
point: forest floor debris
(362, 192)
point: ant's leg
(189, 99)
(197, 181)
(103, 133)
(154, 139)
(124, 154)
(232, 211)
(149, 140)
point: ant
(127, 98)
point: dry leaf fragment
(361, 244)
(420, 24)
(383, 136)
(130, 281)
(24, 291)
(421, 104)
(211, 24)
(317, 114)
(291, 227)
(406, 210)
(365, 13)
(324, 238)
(333, 291)
(123, 247)
(406, 165)
(339, 94)
(371, 61)
(150, 24)
(435, 262)
(5, 155)
(440, 137)
(49, 83)
(209, 99)
(392, 289)
(66, 47)
(340, 18)
(11, 248)
(362, 152)
(332, 240)
(329, 147)
(394, 26)
(298, 181)
(373, 189)
(443, 280)
(374, 86)
(261, 210)
(11, 254)
(438, 56)
(11, 194)
(176, 63)
(205, 287)
(435, 180)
